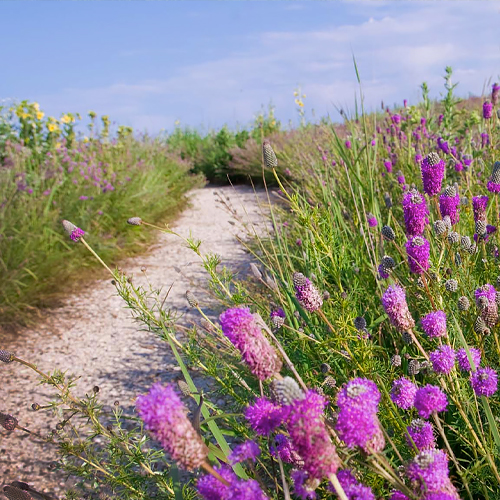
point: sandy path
(93, 336)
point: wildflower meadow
(359, 356)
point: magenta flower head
(241, 328)
(495, 91)
(401, 178)
(75, 233)
(415, 213)
(310, 437)
(249, 450)
(429, 470)
(165, 416)
(396, 308)
(348, 144)
(306, 293)
(403, 393)
(284, 449)
(479, 204)
(430, 399)
(372, 220)
(421, 433)
(487, 110)
(434, 324)
(264, 416)
(352, 488)
(484, 381)
(418, 251)
(397, 495)
(463, 360)
(304, 486)
(494, 182)
(443, 359)
(388, 166)
(449, 203)
(357, 422)
(432, 168)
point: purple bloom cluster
(430, 399)
(418, 251)
(310, 437)
(484, 381)
(432, 168)
(487, 110)
(211, 488)
(434, 324)
(388, 166)
(166, 417)
(489, 313)
(443, 359)
(264, 416)
(403, 393)
(394, 302)
(463, 360)
(421, 433)
(479, 204)
(352, 488)
(284, 449)
(415, 213)
(303, 485)
(240, 327)
(357, 422)
(449, 205)
(249, 450)
(75, 233)
(372, 220)
(306, 293)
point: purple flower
(357, 422)
(240, 327)
(443, 146)
(249, 450)
(458, 166)
(485, 139)
(382, 271)
(75, 233)
(463, 360)
(306, 293)
(353, 489)
(403, 393)
(479, 204)
(278, 317)
(415, 213)
(429, 469)
(495, 90)
(284, 449)
(372, 220)
(430, 399)
(484, 381)
(434, 324)
(432, 168)
(449, 203)
(394, 302)
(304, 486)
(397, 495)
(421, 434)
(487, 110)
(310, 437)
(443, 359)
(418, 250)
(401, 178)
(388, 166)
(166, 417)
(264, 416)
(396, 119)
(348, 144)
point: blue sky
(207, 63)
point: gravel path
(93, 336)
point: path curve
(92, 334)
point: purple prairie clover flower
(418, 250)
(415, 213)
(382, 272)
(441, 495)
(495, 90)
(443, 145)
(487, 110)
(479, 204)
(75, 233)
(493, 187)
(310, 436)
(372, 220)
(306, 293)
(429, 470)
(420, 433)
(494, 182)
(241, 328)
(303, 485)
(249, 450)
(397, 495)
(278, 317)
(432, 169)
(348, 144)
(484, 381)
(449, 203)
(440, 119)
(284, 449)
(264, 416)
(459, 166)
(403, 393)
(485, 139)
(430, 399)
(463, 359)
(443, 359)
(165, 416)
(434, 324)
(401, 178)
(388, 166)
(396, 308)
(418, 159)
(487, 291)
(353, 489)
(396, 119)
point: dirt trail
(93, 335)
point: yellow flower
(40, 115)
(85, 139)
(66, 119)
(52, 127)
(58, 145)
(36, 106)
(298, 102)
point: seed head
(360, 323)
(6, 356)
(330, 382)
(481, 227)
(8, 422)
(450, 191)
(465, 243)
(413, 367)
(388, 263)
(13, 493)
(407, 338)
(270, 160)
(192, 301)
(432, 159)
(255, 271)
(453, 238)
(451, 285)
(134, 221)
(299, 279)
(75, 233)
(388, 233)
(463, 303)
(480, 326)
(287, 391)
(439, 227)
(388, 200)
(325, 367)
(396, 360)
(184, 388)
(278, 318)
